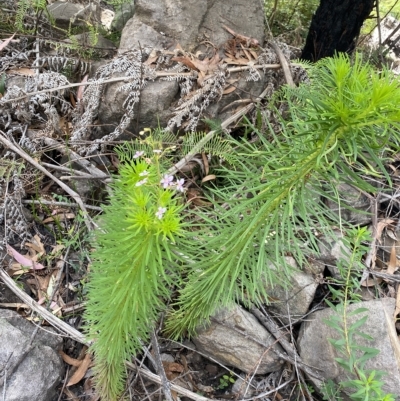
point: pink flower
(160, 212)
(138, 153)
(167, 180)
(179, 185)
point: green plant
(338, 128)
(362, 384)
(135, 263)
(225, 381)
(268, 205)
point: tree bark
(335, 27)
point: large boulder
(185, 21)
(197, 27)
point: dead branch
(166, 385)
(43, 312)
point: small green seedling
(225, 381)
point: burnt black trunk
(335, 27)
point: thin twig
(55, 203)
(66, 169)
(273, 328)
(74, 157)
(166, 385)
(157, 379)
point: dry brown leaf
(186, 61)
(239, 61)
(208, 64)
(371, 282)
(36, 245)
(247, 54)
(4, 43)
(81, 371)
(392, 265)
(59, 217)
(205, 163)
(209, 178)
(380, 226)
(24, 260)
(254, 54)
(71, 361)
(21, 71)
(230, 89)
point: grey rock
(40, 371)
(155, 102)
(354, 206)
(65, 14)
(235, 338)
(292, 304)
(161, 25)
(242, 389)
(102, 48)
(333, 250)
(123, 13)
(183, 21)
(315, 349)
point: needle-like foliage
(339, 128)
(341, 125)
(133, 267)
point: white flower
(138, 153)
(179, 185)
(160, 212)
(144, 173)
(139, 183)
(167, 180)
(158, 151)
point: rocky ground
(62, 112)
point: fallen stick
(43, 312)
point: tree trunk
(335, 27)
